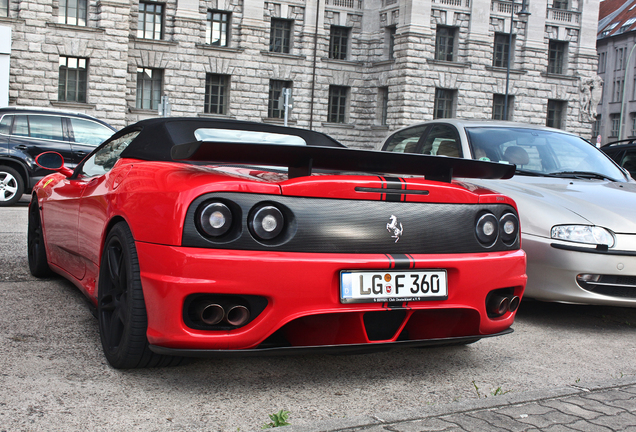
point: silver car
(577, 207)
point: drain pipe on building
(313, 70)
(620, 120)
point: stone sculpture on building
(591, 92)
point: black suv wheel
(11, 186)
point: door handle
(21, 147)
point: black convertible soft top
(174, 139)
(157, 136)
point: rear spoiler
(301, 160)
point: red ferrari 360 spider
(198, 237)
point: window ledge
(342, 62)
(75, 27)
(559, 76)
(215, 116)
(380, 127)
(153, 41)
(339, 125)
(383, 62)
(448, 63)
(218, 48)
(277, 121)
(283, 55)
(142, 111)
(504, 70)
(73, 105)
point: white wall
(5, 55)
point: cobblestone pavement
(595, 407)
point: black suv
(27, 132)
(623, 152)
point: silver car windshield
(540, 152)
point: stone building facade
(616, 117)
(357, 69)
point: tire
(11, 186)
(36, 249)
(121, 309)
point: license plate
(377, 286)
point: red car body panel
(301, 288)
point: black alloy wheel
(121, 309)
(36, 250)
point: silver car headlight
(583, 234)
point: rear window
(89, 132)
(243, 136)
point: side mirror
(53, 161)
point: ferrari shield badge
(395, 228)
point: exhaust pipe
(237, 315)
(210, 313)
(498, 305)
(514, 303)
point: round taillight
(215, 219)
(508, 228)
(267, 222)
(487, 229)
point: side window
(89, 132)
(105, 158)
(405, 141)
(21, 126)
(5, 124)
(442, 140)
(45, 127)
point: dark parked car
(623, 153)
(27, 132)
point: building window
(338, 40)
(556, 114)
(150, 22)
(337, 104)
(556, 57)
(617, 91)
(275, 105)
(149, 88)
(632, 132)
(445, 43)
(616, 125)
(560, 4)
(601, 63)
(280, 36)
(498, 102)
(217, 30)
(502, 50)
(4, 8)
(72, 12)
(216, 93)
(444, 103)
(619, 54)
(73, 78)
(383, 105)
(390, 41)
(596, 128)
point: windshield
(540, 152)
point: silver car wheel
(11, 186)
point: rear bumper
(303, 305)
(322, 349)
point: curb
(393, 417)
